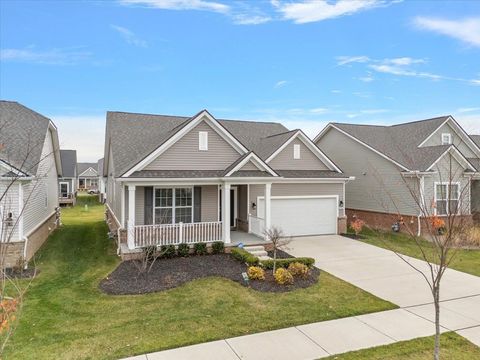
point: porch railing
(256, 225)
(174, 234)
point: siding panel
(209, 203)
(308, 160)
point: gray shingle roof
(69, 162)
(81, 167)
(251, 173)
(134, 136)
(100, 167)
(400, 142)
(177, 174)
(22, 136)
(476, 139)
(317, 174)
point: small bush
(357, 226)
(283, 276)
(183, 250)
(149, 253)
(284, 263)
(168, 251)
(244, 256)
(218, 247)
(200, 248)
(298, 269)
(256, 273)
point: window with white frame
(446, 139)
(203, 140)
(447, 198)
(296, 151)
(173, 205)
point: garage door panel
(303, 216)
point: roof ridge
(351, 124)
(282, 133)
(417, 121)
(149, 114)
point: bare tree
(442, 220)
(276, 236)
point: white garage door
(298, 216)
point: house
(29, 168)
(67, 183)
(389, 162)
(173, 179)
(87, 176)
(102, 182)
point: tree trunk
(274, 260)
(436, 297)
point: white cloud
(181, 5)
(470, 123)
(466, 30)
(344, 60)
(404, 61)
(307, 11)
(86, 134)
(280, 83)
(129, 36)
(468, 109)
(58, 56)
(335, 91)
(367, 78)
(249, 19)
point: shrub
(244, 256)
(298, 269)
(168, 251)
(149, 253)
(200, 248)
(183, 250)
(283, 276)
(218, 247)
(256, 273)
(284, 263)
(357, 226)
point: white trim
(60, 183)
(257, 162)
(448, 199)
(310, 145)
(122, 202)
(120, 225)
(202, 116)
(362, 143)
(203, 141)
(20, 212)
(174, 205)
(226, 212)
(469, 165)
(448, 138)
(88, 176)
(296, 152)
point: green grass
(66, 316)
(464, 260)
(453, 347)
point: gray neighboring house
(102, 182)
(384, 159)
(173, 179)
(87, 176)
(29, 169)
(67, 183)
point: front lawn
(453, 347)
(66, 316)
(464, 260)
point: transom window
(173, 205)
(446, 139)
(447, 198)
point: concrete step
(259, 253)
(264, 258)
(254, 248)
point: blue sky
(304, 63)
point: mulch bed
(15, 273)
(170, 273)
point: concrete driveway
(382, 273)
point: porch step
(254, 248)
(264, 258)
(258, 251)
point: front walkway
(375, 270)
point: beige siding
(449, 171)
(209, 208)
(475, 196)
(41, 195)
(139, 205)
(184, 154)
(308, 160)
(242, 202)
(436, 139)
(282, 189)
(378, 185)
(249, 166)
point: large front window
(173, 205)
(447, 198)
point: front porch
(163, 214)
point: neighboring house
(102, 182)
(389, 161)
(174, 179)
(67, 184)
(29, 168)
(87, 176)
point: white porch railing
(256, 225)
(174, 234)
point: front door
(64, 189)
(233, 207)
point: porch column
(267, 207)
(226, 212)
(131, 217)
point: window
(447, 198)
(203, 141)
(446, 139)
(296, 151)
(173, 205)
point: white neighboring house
(102, 182)
(87, 176)
(29, 169)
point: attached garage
(303, 215)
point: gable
(457, 140)
(89, 173)
(184, 154)
(284, 160)
(249, 166)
